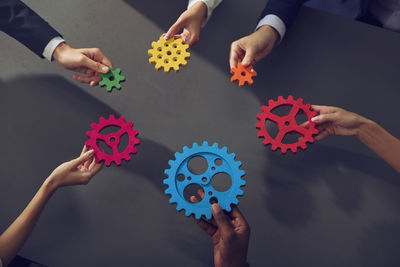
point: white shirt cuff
(211, 5)
(276, 23)
(51, 46)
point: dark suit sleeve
(23, 24)
(286, 10)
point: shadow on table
(289, 178)
(47, 117)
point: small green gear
(111, 79)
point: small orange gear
(243, 74)
(168, 54)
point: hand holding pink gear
(112, 140)
(287, 124)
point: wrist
(50, 185)
(365, 126)
(269, 31)
(60, 50)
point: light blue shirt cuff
(276, 23)
(49, 49)
(211, 5)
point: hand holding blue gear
(111, 79)
(218, 161)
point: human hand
(89, 61)
(77, 171)
(190, 21)
(229, 233)
(250, 49)
(336, 121)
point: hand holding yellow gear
(168, 54)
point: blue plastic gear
(212, 154)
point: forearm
(12, 240)
(381, 142)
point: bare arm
(77, 171)
(337, 121)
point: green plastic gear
(111, 79)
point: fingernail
(105, 69)
(166, 37)
(216, 208)
(314, 119)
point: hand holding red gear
(243, 74)
(286, 124)
(112, 140)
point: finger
(84, 149)
(201, 193)
(324, 109)
(88, 163)
(323, 118)
(237, 215)
(193, 199)
(206, 226)
(221, 219)
(95, 65)
(193, 39)
(83, 79)
(305, 124)
(83, 158)
(234, 55)
(174, 29)
(94, 168)
(323, 134)
(248, 58)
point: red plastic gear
(243, 74)
(286, 124)
(112, 140)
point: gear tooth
(205, 143)
(197, 216)
(195, 145)
(228, 208)
(178, 207)
(185, 149)
(260, 135)
(224, 150)
(89, 134)
(188, 213)
(300, 100)
(283, 150)
(112, 117)
(167, 172)
(208, 214)
(236, 201)
(172, 200)
(259, 125)
(280, 98)
(168, 191)
(303, 146)
(242, 173)
(294, 149)
(238, 164)
(260, 116)
(215, 145)
(290, 98)
(170, 162)
(271, 102)
(232, 156)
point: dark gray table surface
(335, 204)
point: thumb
(94, 65)
(221, 219)
(322, 118)
(83, 158)
(174, 29)
(248, 58)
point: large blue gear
(210, 154)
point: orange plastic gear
(286, 124)
(243, 74)
(168, 54)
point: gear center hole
(243, 73)
(111, 78)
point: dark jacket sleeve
(286, 10)
(23, 24)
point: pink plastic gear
(286, 124)
(112, 140)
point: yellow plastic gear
(168, 54)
